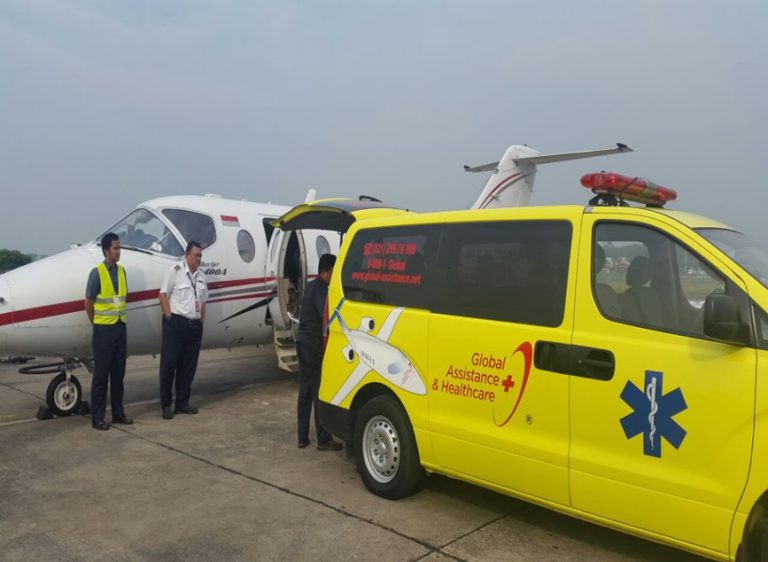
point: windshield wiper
(135, 249)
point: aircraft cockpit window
(143, 230)
(245, 246)
(193, 226)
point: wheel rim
(65, 396)
(381, 449)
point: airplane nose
(5, 313)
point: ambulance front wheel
(385, 449)
(64, 396)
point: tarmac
(230, 484)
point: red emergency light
(639, 190)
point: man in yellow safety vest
(105, 297)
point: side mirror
(722, 320)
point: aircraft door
(293, 259)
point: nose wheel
(64, 395)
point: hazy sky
(104, 104)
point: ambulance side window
(762, 328)
(513, 271)
(642, 276)
(391, 265)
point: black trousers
(178, 358)
(109, 353)
(309, 383)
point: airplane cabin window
(322, 245)
(245, 246)
(143, 230)
(193, 226)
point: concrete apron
(230, 484)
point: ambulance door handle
(593, 363)
(552, 356)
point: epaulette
(177, 267)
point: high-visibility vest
(109, 307)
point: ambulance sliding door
(495, 417)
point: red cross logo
(508, 383)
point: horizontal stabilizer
(484, 168)
(562, 156)
(512, 177)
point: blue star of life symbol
(653, 411)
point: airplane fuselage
(42, 309)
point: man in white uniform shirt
(182, 299)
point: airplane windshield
(143, 230)
(740, 249)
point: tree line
(11, 259)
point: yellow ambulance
(605, 361)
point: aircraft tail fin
(513, 176)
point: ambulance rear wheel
(755, 549)
(64, 396)
(385, 449)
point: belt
(185, 319)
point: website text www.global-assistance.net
(386, 277)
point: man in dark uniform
(105, 297)
(310, 350)
(182, 299)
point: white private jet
(256, 273)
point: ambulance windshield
(740, 249)
(143, 230)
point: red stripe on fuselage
(237, 282)
(240, 297)
(58, 309)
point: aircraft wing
(352, 380)
(389, 325)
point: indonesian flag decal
(229, 220)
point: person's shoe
(167, 414)
(125, 420)
(330, 445)
(303, 444)
(101, 425)
(186, 410)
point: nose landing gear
(64, 395)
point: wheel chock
(43, 413)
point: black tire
(64, 398)
(385, 449)
(756, 547)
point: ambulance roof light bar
(615, 189)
